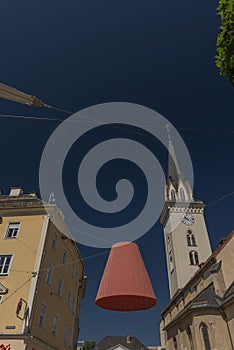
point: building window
(193, 257)
(171, 262)
(196, 258)
(173, 197)
(190, 338)
(77, 278)
(205, 336)
(12, 230)
(70, 335)
(55, 326)
(175, 343)
(55, 242)
(65, 333)
(42, 315)
(64, 257)
(69, 300)
(188, 240)
(182, 195)
(5, 261)
(72, 270)
(49, 274)
(191, 239)
(74, 305)
(60, 288)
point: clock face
(187, 219)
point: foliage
(225, 40)
(89, 345)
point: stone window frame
(12, 231)
(4, 264)
(193, 258)
(204, 329)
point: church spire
(178, 187)
(186, 238)
(174, 173)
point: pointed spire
(174, 173)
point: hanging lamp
(125, 284)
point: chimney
(33, 194)
(129, 338)
(15, 191)
(222, 241)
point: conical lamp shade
(125, 284)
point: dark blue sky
(159, 54)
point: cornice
(23, 206)
(180, 207)
(190, 310)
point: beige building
(41, 276)
(200, 316)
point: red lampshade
(125, 284)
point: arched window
(205, 336)
(182, 195)
(191, 239)
(173, 197)
(193, 258)
(175, 343)
(190, 338)
(196, 258)
(171, 262)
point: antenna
(52, 198)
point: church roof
(206, 298)
(229, 292)
(111, 341)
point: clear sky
(160, 54)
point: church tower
(186, 238)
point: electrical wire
(207, 130)
(59, 109)
(62, 265)
(86, 120)
(220, 199)
(11, 116)
(28, 246)
(16, 290)
(89, 234)
(95, 255)
(70, 262)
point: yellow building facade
(42, 277)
